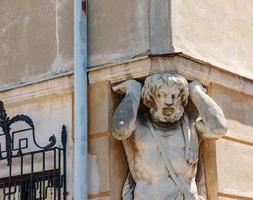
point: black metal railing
(28, 170)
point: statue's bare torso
(146, 164)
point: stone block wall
(107, 161)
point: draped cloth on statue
(165, 189)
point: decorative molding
(183, 64)
(117, 72)
(235, 139)
(33, 80)
(99, 195)
(99, 135)
(232, 196)
(48, 88)
(245, 135)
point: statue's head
(166, 95)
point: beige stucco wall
(219, 32)
(118, 30)
(36, 39)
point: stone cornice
(38, 90)
(185, 65)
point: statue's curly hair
(155, 81)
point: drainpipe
(80, 94)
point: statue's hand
(196, 86)
(127, 86)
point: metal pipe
(80, 94)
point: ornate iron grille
(37, 174)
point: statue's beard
(161, 115)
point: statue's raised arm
(212, 124)
(124, 118)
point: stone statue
(162, 147)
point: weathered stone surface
(237, 107)
(188, 67)
(118, 168)
(107, 158)
(44, 90)
(218, 32)
(36, 39)
(234, 152)
(224, 198)
(162, 148)
(234, 165)
(99, 165)
(122, 30)
(118, 29)
(99, 198)
(208, 148)
(100, 105)
(174, 26)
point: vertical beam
(210, 162)
(80, 90)
(210, 166)
(160, 26)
